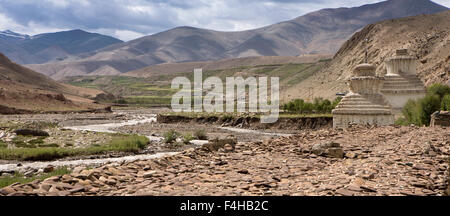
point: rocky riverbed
(359, 161)
(84, 130)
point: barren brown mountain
(50, 47)
(425, 36)
(320, 32)
(172, 68)
(23, 91)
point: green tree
(410, 112)
(336, 102)
(419, 112)
(439, 89)
(428, 105)
(445, 105)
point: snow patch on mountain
(9, 33)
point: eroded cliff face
(253, 122)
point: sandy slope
(24, 89)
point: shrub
(133, 143)
(200, 134)
(319, 105)
(226, 118)
(401, 122)
(410, 112)
(3, 145)
(419, 112)
(171, 136)
(439, 89)
(20, 143)
(322, 106)
(445, 105)
(428, 105)
(187, 138)
(121, 101)
(37, 141)
(336, 102)
(50, 145)
(176, 145)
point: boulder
(218, 143)
(7, 190)
(328, 149)
(30, 132)
(440, 118)
(49, 169)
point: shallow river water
(109, 128)
(105, 128)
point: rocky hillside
(57, 46)
(321, 32)
(23, 90)
(425, 36)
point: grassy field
(120, 143)
(19, 178)
(157, 89)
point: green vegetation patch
(171, 136)
(200, 135)
(19, 178)
(20, 142)
(418, 112)
(29, 125)
(156, 90)
(445, 105)
(120, 143)
(319, 105)
(147, 100)
(3, 145)
(187, 138)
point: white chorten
(401, 81)
(364, 104)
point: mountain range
(76, 52)
(320, 32)
(50, 47)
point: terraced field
(156, 90)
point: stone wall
(398, 100)
(342, 121)
(441, 118)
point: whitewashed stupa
(364, 104)
(401, 81)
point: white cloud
(127, 19)
(31, 29)
(445, 3)
(127, 35)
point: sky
(131, 19)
